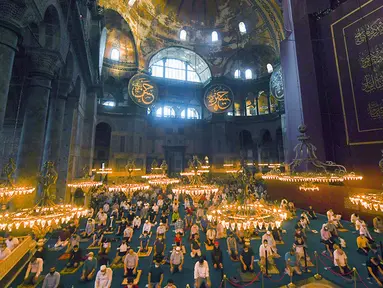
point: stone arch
(102, 144)
(246, 144)
(50, 29)
(67, 70)
(265, 149)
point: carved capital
(44, 62)
(15, 14)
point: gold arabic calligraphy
(375, 110)
(218, 100)
(369, 31)
(372, 82)
(371, 58)
(142, 91)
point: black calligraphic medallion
(218, 98)
(276, 84)
(143, 90)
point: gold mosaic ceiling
(155, 24)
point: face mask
(52, 272)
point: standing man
(35, 267)
(89, 269)
(156, 275)
(201, 273)
(247, 259)
(52, 279)
(130, 264)
(176, 260)
(340, 261)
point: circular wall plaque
(218, 98)
(143, 90)
(276, 84)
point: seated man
(63, 239)
(292, 263)
(4, 251)
(312, 213)
(354, 218)
(122, 250)
(75, 257)
(128, 233)
(159, 248)
(340, 261)
(276, 232)
(327, 239)
(176, 260)
(378, 224)
(73, 241)
(266, 254)
(12, 242)
(89, 228)
(375, 253)
(52, 279)
(216, 256)
(35, 267)
(144, 242)
(363, 245)
(175, 216)
(147, 227)
(201, 273)
(130, 264)
(155, 275)
(374, 270)
(270, 240)
(195, 247)
(161, 230)
(179, 226)
(178, 239)
(210, 236)
(164, 219)
(363, 230)
(193, 231)
(170, 284)
(121, 227)
(89, 269)
(247, 258)
(232, 246)
(102, 218)
(189, 220)
(104, 278)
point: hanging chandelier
(163, 181)
(196, 188)
(245, 212)
(86, 182)
(323, 172)
(156, 172)
(370, 201)
(45, 215)
(9, 190)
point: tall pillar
(44, 63)
(8, 46)
(66, 136)
(56, 121)
(89, 130)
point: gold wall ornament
(316, 171)
(218, 98)
(143, 90)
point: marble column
(44, 63)
(8, 47)
(89, 130)
(56, 121)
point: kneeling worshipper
(340, 261)
(266, 254)
(144, 242)
(75, 257)
(363, 244)
(155, 275)
(35, 267)
(4, 251)
(270, 240)
(130, 264)
(312, 213)
(63, 239)
(89, 268)
(292, 263)
(375, 253)
(232, 247)
(122, 250)
(147, 227)
(179, 226)
(363, 230)
(128, 233)
(378, 224)
(374, 270)
(159, 248)
(52, 279)
(121, 227)
(161, 230)
(210, 236)
(170, 284)
(195, 247)
(194, 229)
(89, 228)
(74, 240)
(201, 273)
(216, 256)
(12, 242)
(176, 260)
(104, 278)
(247, 258)
(326, 239)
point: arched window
(237, 74)
(192, 113)
(270, 68)
(166, 111)
(263, 104)
(183, 35)
(186, 65)
(115, 54)
(242, 28)
(214, 36)
(249, 74)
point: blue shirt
(293, 259)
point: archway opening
(102, 145)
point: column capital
(15, 14)
(44, 62)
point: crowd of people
(159, 215)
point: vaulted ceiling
(155, 24)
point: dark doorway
(102, 144)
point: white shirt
(210, 234)
(12, 244)
(147, 227)
(201, 271)
(123, 247)
(269, 238)
(263, 249)
(36, 267)
(161, 229)
(155, 208)
(354, 218)
(128, 232)
(137, 222)
(104, 280)
(106, 207)
(342, 258)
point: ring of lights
(195, 190)
(84, 184)
(239, 216)
(129, 187)
(369, 201)
(9, 192)
(163, 181)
